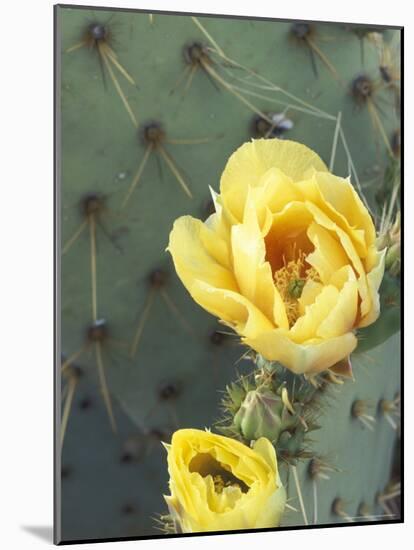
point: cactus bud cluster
(262, 414)
(393, 257)
(391, 239)
(268, 404)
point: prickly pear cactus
(327, 437)
(151, 107)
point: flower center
(290, 280)
(220, 484)
(206, 465)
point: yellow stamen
(290, 280)
(220, 484)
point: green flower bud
(237, 393)
(383, 241)
(262, 414)
(393, 259)
(264, 365)
(390, 238)
(395, 233)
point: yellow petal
(227, 450)
(177, 514)
(273, 192)
(360, 227)
(322, 219)
(251, 161)
(182, 489)
(328, 255)
(230, 498)
(306, 327)
(280, 317)
(309, 293)
(341, 319)
(199, 254)
(264, 448)
(288, 234)
(218, 225)
(253, 272)
(372, 258)
(341, 196)
(374, 282)
(271, 512)
(231, 307)
(302, 358)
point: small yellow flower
(288, 260)
(219, 484)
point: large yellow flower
(289, 258)
(219, 484)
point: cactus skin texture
(112, 483)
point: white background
(26, 314)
